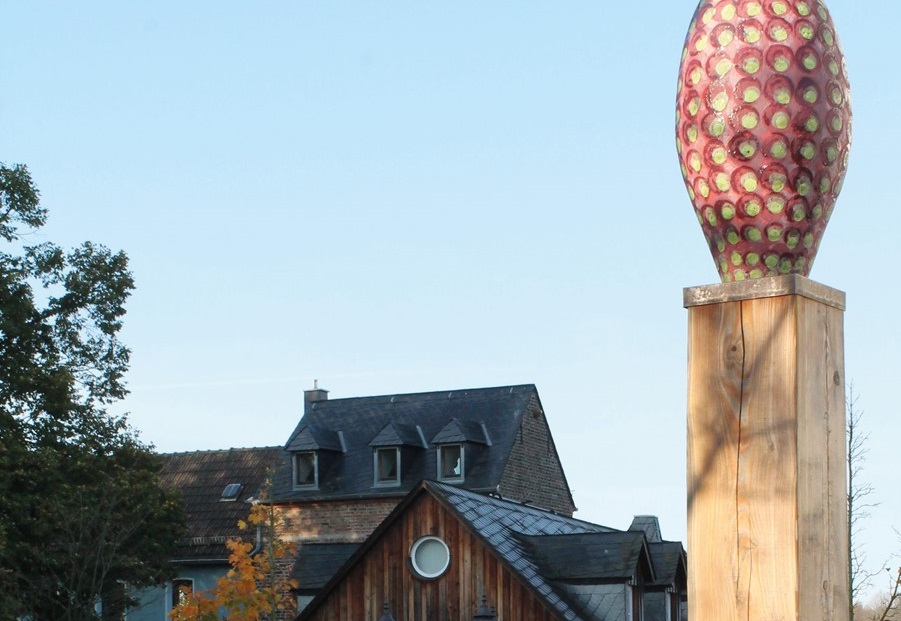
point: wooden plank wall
(383, 574)
(766, 507)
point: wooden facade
(767, 521)
(383, 574)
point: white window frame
(634, 591)
(454, 478)
(417, 570)
(295, 470)
(375, 466)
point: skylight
(231, 491)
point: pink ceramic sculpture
(763, 130)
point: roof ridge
(432, 394)
(228, 450)
(594, 533)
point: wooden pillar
(767, 514)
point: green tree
(83, 513)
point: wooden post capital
(790, 284)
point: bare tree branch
(860, 501)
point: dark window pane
(451, 462)
(305, 469)
(387, 464)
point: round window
(430, 557)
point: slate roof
(201, 477)
(650, 525)
(668, 558)
(318, 562)
(597, 602)
(589, 570)
(598, 557)
(487, 418)
(505, 526)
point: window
(306, 470)
(429, 557)
(231, 491)
(387, 466)
(450, 462)
(182, 588)
(675, 609)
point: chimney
(312, 396)
(650, 525)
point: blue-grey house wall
(154, 604)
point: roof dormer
(397, 434)
(388, 450)
(316, 438)
(307, 447)
(452, 441)
(457, 430)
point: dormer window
(306, 470)
(314, 450)
(450, 462)
(386, 463)
(388, 445)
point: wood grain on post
(767, 521)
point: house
(349, 462)
(352, 468)
(447, 553)
(216, 487)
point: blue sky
(404, 196)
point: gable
(457, 430)
(668, 558)
(533, 472)
(314, 438)
(484, 535)
(381, 573)
(396, 434)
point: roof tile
(201, 477)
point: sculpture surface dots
(763, 131)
